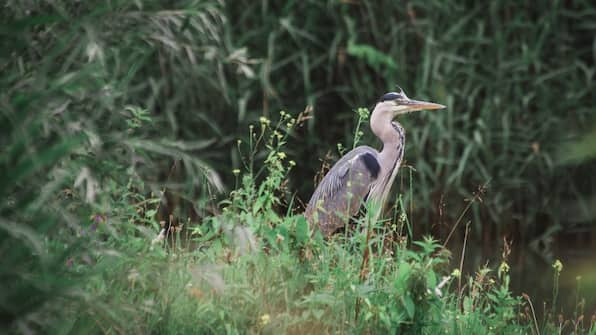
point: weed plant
(517, 77)
(249, 269)
(119, 123)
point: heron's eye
(390, 96)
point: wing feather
(342, 191)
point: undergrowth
(253, 269)
(117, 124)
(517, 77)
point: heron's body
(363, 174)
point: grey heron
(364, 175)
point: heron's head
(397, 103)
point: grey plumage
(340, 194)
(364, 174)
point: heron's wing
(343, 189)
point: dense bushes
(115, 115)
(517, 78)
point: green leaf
(34, 163)
(302, 231)
(431, 279)
(409, 305)
(372, 56)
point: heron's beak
(407, 106)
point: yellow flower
(403, 217)
(264, 120)
(503, 268)
(236, 172)
(265, 319)
(363, 113)
(558, 266)
(292, 163)
(456, 273)
(281, 155)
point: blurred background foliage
(98, 93)
(517, 80)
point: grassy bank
(246, 269)
(149, 183)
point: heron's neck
(393, 136)
(391, 133)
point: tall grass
(497, 68)
(517, 79)
(250, 269)
(120, 119)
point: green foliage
(251, 269)
(517, 79)
(117, 116)
(581, 150)
(510, 74)
(371, 56)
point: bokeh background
(517, 78)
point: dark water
(532, 270)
